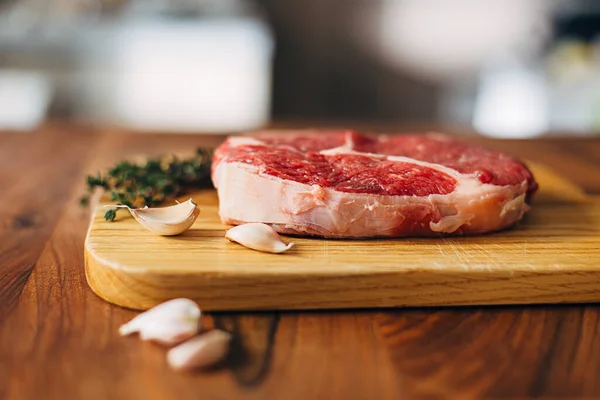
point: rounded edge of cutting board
(139, 290)
(104, 282)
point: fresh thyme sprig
(149, 184)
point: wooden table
(58, 340)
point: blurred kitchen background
(506, 68)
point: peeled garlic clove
(168, 323)
(202, 351)
(166, 221)
(258, 236)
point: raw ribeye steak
(348, 185)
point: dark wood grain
(37, 174)
(58, 340)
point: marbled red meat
(344, 184)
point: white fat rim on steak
(247, 194)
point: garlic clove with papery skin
(258, 236)
(166, 221)
(202, 351)
(169, 323)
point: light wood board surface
(553, 256)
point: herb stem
(151, 183)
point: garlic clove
(169, 323)
(258, 236)
(166, 221)
(202, 351)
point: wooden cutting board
(553, 256)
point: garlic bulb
(166, 221)
(202, 351)
(168, 323)
(258, 236)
